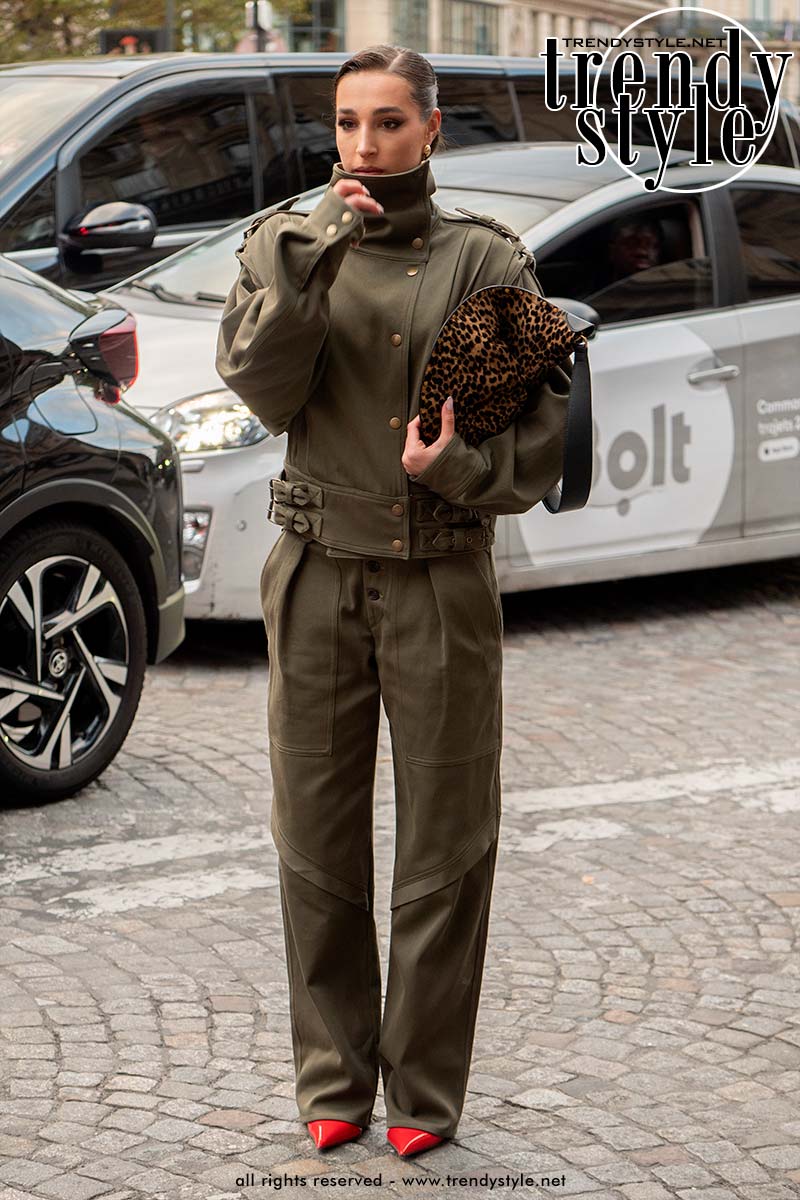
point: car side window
(185, 154)
(539, 123)
(309, 104)
(777, 151)
(769, 229)
(476, 110)
(272, 150)
(646, 262)
(31, 224)
(793, 125)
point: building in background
(510, 27)
(507, 27)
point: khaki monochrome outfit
(381, 585)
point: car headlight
(210, 421)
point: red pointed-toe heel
(411, 1141)
(331, 1133)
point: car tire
(66, 707)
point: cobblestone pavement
(638, 1035)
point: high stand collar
(406, 200)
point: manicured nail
(380, 207)
(449, 402)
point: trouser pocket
(300, 601)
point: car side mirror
(585, 314)
(116, 225)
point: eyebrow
(387, 109)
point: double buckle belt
(287, 504)
(435, 525)
(465, 528)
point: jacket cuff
(453, 469)
(334, 219)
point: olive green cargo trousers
(425, 634)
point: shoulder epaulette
(276, 208)
(504, 231)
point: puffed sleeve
(515, 469)
(271, 341)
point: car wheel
(73, 648)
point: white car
(695, 365)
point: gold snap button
(395, 422)
(397, 509)
(347, 218)
(396, 339)
(411, 270)
(331, 230)
(397, 544)
(418, 243)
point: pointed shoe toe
(332, 1133)
(411, 1141)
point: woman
(382, 585)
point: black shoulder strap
(576, 479)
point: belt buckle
(438, 540)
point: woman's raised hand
(357, 196)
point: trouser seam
(448, 862)
(324, 870)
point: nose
(365, 143)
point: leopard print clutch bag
(491, 355)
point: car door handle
(731, 371)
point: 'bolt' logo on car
(631, 460)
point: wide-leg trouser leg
(427, 635)
(440, 659)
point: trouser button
(374, 565)
(373, 593)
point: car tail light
(106, 344)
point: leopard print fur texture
(491, 355)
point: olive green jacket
(329, 340)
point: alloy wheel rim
(64, 659)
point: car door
(196, 153)
(667, 388)
(769, 233)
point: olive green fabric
(426, 635)
(330, 341)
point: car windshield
(35, 105)
(205, 272)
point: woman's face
(378, 126)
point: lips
(368, 171)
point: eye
(391, 123)
(344, 122)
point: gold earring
(426, 153)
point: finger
(412, 435)
(346, 187)
(448, 417)
(365, 204)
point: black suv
(109, 164)
(90, 537)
